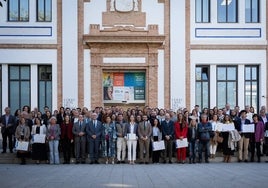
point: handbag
(219, 139)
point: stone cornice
(28, 46)
(228, 47)
(104, 39)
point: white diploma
(39, 138)
(228, 127)
(181, 143)
(22, 146)
(248, 128)
(160, 145)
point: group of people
(114, 134)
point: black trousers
(6, 136)
(156, 154)
(66, 149)
(256, 145)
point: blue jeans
(54, 152)
(203, 144)
(192, 149)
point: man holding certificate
(244, 141)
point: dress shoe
(91, 162)
(141, 162)
(239, 160)
(118, 162)
(123, 162)
(207, 161)
(246, 161)
(169, 162)
(97, 162)
(77, 162)
(146, 163)
(164, 161)
(3, 151)
(83, 162)
(11, 151)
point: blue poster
(135, 79)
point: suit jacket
(128, 129)
(239, 127)
(56, 134)
(7, 127)
(168, 129)
(26, 132)
(259, 131)
(67, 130)
(92, 130)
(76, 130)
(180, 132)
(43, 129)
(120, 129)
(145, 131)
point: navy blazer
(91, 130)
(11, 124)
(239, 128)
(127, 130)
(168, 129)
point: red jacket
(180, 132)
(69, 131)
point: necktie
(80, 125)
(144, 126)
(95, 123)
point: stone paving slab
(253, 175)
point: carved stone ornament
(124, 5)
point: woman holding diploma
(131, 136)
(22, 134)
(181, 130)
(227, 151)
(156, 136)
(39, 152)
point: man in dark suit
(79, 131)
(7, 123)
(94, 133)
(168, 134)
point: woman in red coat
(66, 138)
(181, 130)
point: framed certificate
(228, 127)
(22, 146)
(160, 145)
(131, 136)
(181, 143)
(39, 138)
(248, 128)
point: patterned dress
(108, 140)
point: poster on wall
(121, 87)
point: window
(202, 11)
(45, 86)
(44, 11)
(252, 11)
(251, 86)
(202, 86)
(19, 86)
(227, 11)
(226, 86)
(18, 10)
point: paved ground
(253, 175)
